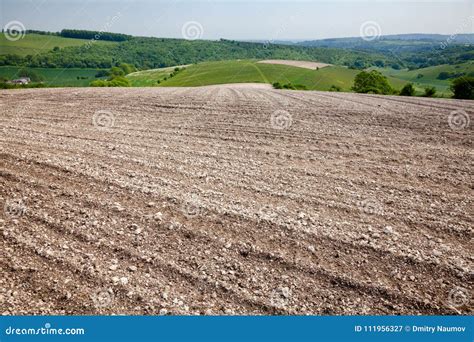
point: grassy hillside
(413, 51)
(56, 77)
(247, 71)
(33, 44)
(429, 76)
(152, 53)
(149, 78)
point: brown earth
(299, 64)
(234, 200)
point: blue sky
(239, 19)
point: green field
(149, 78)
(430, 75)
(249, 71)
(56, 77)
(33, 44)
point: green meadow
(245, 71)
(32, 44)
(250, 71)
(149, 78)
(56, 77)
(425, 77)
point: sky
(243, 19)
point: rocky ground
(300, 64)
(234, 200)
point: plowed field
(234, 200)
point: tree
(116, 76)
(118, 81)
(116, 72)
(102, 73)
(408, 90)
(429, 92)
(379, 63)
(372, 82)
(463, 88)
(127, 68)
(98, 83)
(359, 64)
(31, 74)
(95, 35)
(396, 66)
(443, 75)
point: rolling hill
(149, 78)
(33, 44)
(400, 40)
(424, 77)
(152, 53)
(411, 51)
(63, 59)
(250, 71)
(55, 77)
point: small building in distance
(21, 80)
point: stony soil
(299, 64)
(234, 200)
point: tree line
(373, 82)
(149, 53)
(96, 35)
